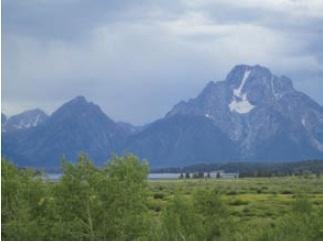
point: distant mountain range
(252, 115)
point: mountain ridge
(77, 126)
(27, 119)
(252, 115)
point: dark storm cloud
(72, 19)
(138, 58)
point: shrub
(179, 222)
(159, 195)
(238, 202)
(286, 192)
(232, 192)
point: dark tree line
(256, 169)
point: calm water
(152, 176)
(164, 175)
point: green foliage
(180, 222)
(23, 201)
(302, 223)
(159, 195)
(86, 204)
(117, 202)
(78, 207)
(126, 198)
(214, 214)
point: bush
(238, 202)
(303, 223)
(232, 192)
(159, 195)
(179, 222)
(286, 192)
(215, 215)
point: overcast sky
(136, 59)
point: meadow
(255, 204)
(117, 202)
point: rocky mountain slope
(262, 115)
(25, 120)
(253, 115)
(77, 126)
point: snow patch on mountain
(25, 124)
(237, 92)
(240, 103)
(241, 106)
(304, 122)
(36, 121)
(272, 87)
(25, 120)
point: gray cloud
(136, 59)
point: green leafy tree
(102, 204)
(78, 207)
(23, 204)
(125, 198)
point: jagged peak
(29, 112)
(79, 106)
(260, 76)
(238, 71)
(250, 67)
(79, 99)
(210, 84)
(78, 103)
(34, 111)
(27, 119)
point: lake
(151, 176)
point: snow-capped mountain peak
(253, 105)
(28, 119)
(253, 115)
(253, 86)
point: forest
(118, 202)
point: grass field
(255, 203)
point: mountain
(76, 126)
(262, 115)
(252, 115)
(181, 140)
(24, 120)
(129, 128)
